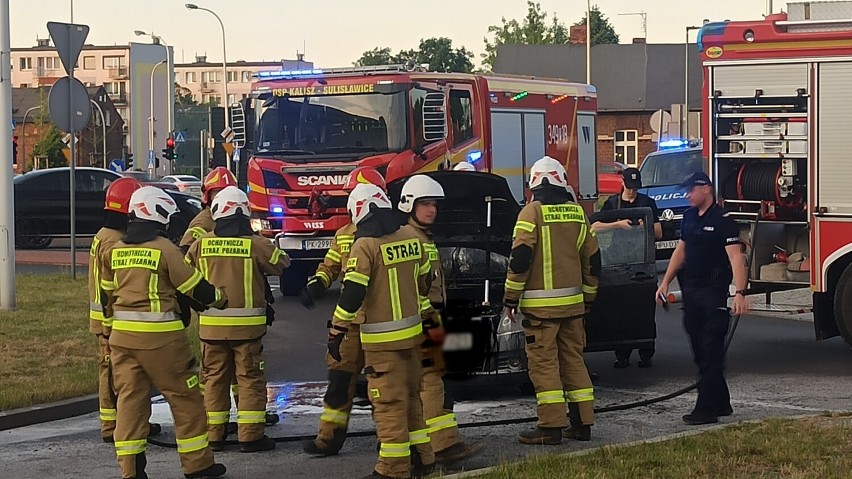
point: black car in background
(42, 200)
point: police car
(662, 173)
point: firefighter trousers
(440, 419)
(172, 370)
(106, 390)
(394, 386)
(555, 354)
(342, 380)
(221, 361)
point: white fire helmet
(550, 169)
(152, 204)
(464, 166)
(419, 187)
(362, 197)
(229, 202)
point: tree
(602, 31)
(437, 52)
(534, 30)
(51, 146)
(376, 56)
(183, 98)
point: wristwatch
(740, 292)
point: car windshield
(670, 167)
(187, 178)
(302, 127)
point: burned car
(473, 232)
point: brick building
(633, 81)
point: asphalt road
(775, 369)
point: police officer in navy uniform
(631, 198)
(708, 257)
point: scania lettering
(306, 130)
(777, 110)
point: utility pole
(7, 197)
(588, 42)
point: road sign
(180, 137)
(150, 159)
(236, 157)
(228, 147)
(69, 39)
(660, 120)
(116, 165)
(78, 117)
(228, 135)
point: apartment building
(203, 79)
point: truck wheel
(843, 304)
(296, 277)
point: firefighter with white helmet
(235, 259)
(387, 273)
(464, 166)
(115, 224)
(419, 199)
(553, 277)
(142, 283)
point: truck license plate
(670, 244)
(458, 342)
(316, 244)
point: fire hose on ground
(504, 422)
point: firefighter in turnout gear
(235, 259)
(345, 358)
(419, 199)
(553, 277)
(387, 274)
(115, 224)
(142, 285)
(218, 179)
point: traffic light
(128, 161)
(169, 151)
(15, 149)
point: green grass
(46, 350)
(796, 449)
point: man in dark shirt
(631, 198)
(708, 257)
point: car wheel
(32, 233)
(177, 227)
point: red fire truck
(306, 130)
(778, 113)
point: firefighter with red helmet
(235, 259)
(142, 285)
(419, 199)
(387, 274)
(115, 223)
(218, 179)
(553, 278)
(345, 358)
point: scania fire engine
(778, 114)
(306, 130)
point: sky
(334, 33)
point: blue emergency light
(473, 156)
(277, 210)
(289, 73)
(674, 144)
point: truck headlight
(259, 224)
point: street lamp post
(685, 112)
(588, 42)
(169, 80)
(151, 168)
(191, 6)
(24, 136)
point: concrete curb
(41, 413)
(667, 437)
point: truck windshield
(670, 167)
(339, 125)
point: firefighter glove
(270, 314)
(334, 340)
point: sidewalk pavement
(51, 257)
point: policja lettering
(401, 251)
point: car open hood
(462, 215)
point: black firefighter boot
(141, 462)
(331, 448)
(545, 436)
(265, 443)
(216, 470)
(418, 469)
(576, 430)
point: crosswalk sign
(180, 137)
